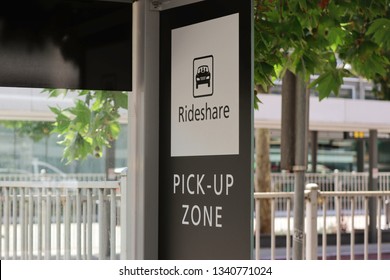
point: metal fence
(59, 219)
(318, 221)
(83, 177)
(337, 181)
(79, 218)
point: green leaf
(336, 37)
(302, 5)
(55, 92)
(380, 31)
(121, 99)
(328, 82)
(96, 105)
(324, 84)
(366, 49)
(370, 66)
(82, 112)
(56, 111)
(114, 129)
(256, 101)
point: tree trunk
(263, 176)
(288, 129)
(110, 161)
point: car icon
(203, 75)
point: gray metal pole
(373, 182)
(142, 193)
(299, 168)
(314, 150)
(360, 155)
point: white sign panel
(205, 88)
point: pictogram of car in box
(203, 76)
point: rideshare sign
(206, 120)
(205, 94)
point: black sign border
(180, 17)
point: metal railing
(336, 181)
(54, 219)
(59, 219)
(317, 222)
(83, 177)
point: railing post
(336, 180)
(387, 213)
(311, 219)
(127, 232)
(257, 229)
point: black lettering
(191, 113)
(215, 113)
(204, 113)
(226, 112)
(181, 114)
(208, 112)
(197, 113)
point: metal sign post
(139, 227)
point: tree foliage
(328, 38)
(91, 124)
(33, 129)
(331, 39)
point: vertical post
(6, 222)
(288, 235)
(58, 224)
(324, 241)
(30, 223)
(22, 224)
(338, 226)
(143, 118)
(39, 213)
(89, 223)
(352, 228)
(366, 233)
(373, 182)
(300, 166)
(273, 238)
(84, 210)
(125, 217)
(110, 176)
(67, 225)
(314, 150)
(78, 223)
(379, 231)
(257, 229)
(311, 218)
(48, 225)
(102, 227)
(2, 195)
(360, 155)
(112, 224)
(287, 147)
(336, 180)
(14, 223)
